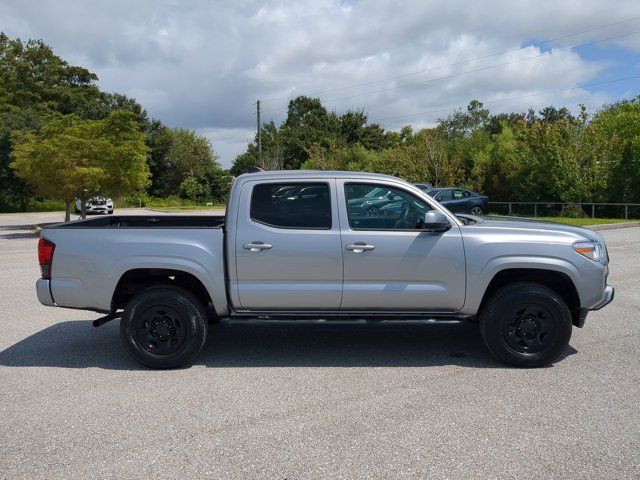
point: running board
(375, 316)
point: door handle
(257, 246)
(360, 247)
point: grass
(579, 222)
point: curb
(612, 226)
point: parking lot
(311, 400)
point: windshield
(433, 193)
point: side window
(443, 195)
(296, 205)
(459, 194)
(378, 207)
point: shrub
(46, 205)
(572, 211)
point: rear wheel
(476, 210)
(526, 325)
(164, 327)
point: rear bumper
(609, 293)
(44, 293)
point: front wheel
(164, 327)
(526, 325)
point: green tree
(72, 158)
(307, 123)
(617, 130)
(192, 188)
(464, 123)
(188, 155)
(243, 161)
(37, 86)
(496, 166)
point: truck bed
(92, 255)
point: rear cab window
(303, 205)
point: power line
(488, 67)
(495, 54)
(548, 92)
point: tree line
(548, 155)
(63, 138)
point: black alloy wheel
(529, 329)
(164, 327)
(526, 325)
(161, 330)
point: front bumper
(609, 293)
(100, 209)
(44, 293)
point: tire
(526, 325)
(164, 327)
(476, 210)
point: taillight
(45, 257)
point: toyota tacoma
(307, 245)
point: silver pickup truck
(326, 245)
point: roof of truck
(315, 173)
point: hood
(532, 224)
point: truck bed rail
(147, 221)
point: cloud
(202, 64)
(227, 142)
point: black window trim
(280, 227)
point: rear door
(390, 264)
(287, 252)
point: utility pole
(259, 129)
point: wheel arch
(558, 281)
(135, 280)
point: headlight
(589, 248)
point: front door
(389, 263)
(288, 253)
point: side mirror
(435, 221)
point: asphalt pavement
(312, 400)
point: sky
(203, 64)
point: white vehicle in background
(95, 205)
